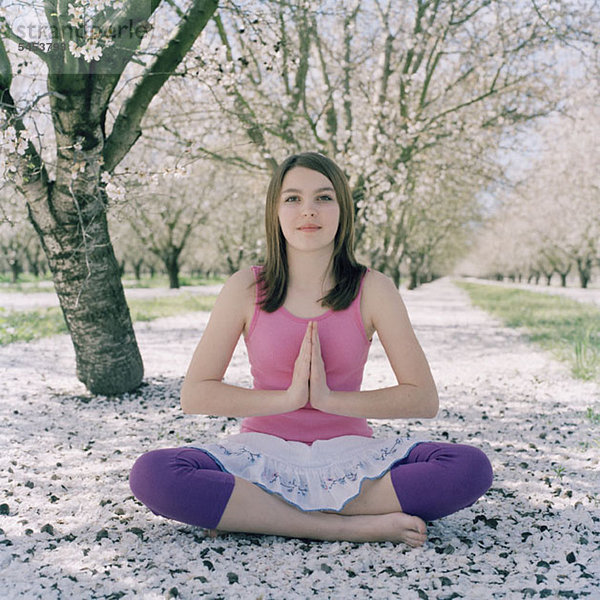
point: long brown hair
(347, 272)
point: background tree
(379, 86)
(549, 221)
(164, 217)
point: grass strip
(24, 326)
(570, 330)
(168, 306)
(34, 285)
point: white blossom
(75, 50)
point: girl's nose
(309, 209)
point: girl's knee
(476, 468)
(157, 473)
(147, 473)
(184, 484)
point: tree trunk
(396, 276)
(414, 279)
(34, 259)
(88, 284)
(137, 268)
(70, 218)
(15, 269)
(415, 266)
(172, 265)
(584, 268)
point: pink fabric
(273, 344)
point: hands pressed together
(309, 382)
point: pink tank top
(273, 344)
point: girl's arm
(415, 396)
(203, 391)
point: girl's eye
(324, 198)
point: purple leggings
(434, 480)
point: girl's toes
(418, 525)
(416, 539)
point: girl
(305, 463)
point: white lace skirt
(323, 476)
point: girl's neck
(310, 271)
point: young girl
(305, 463)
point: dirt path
(73, 529)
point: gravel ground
(69, 527)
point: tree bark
(92, 300)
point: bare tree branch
(126, 129)
(32, 47)
(31, 173)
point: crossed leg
(434, 480)
(252, 510)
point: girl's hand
(298, 393)
(319, 392)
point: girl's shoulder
(373, 281)
(376, 287)
(239, 288)
(243, 281)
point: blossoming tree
(399, 93)
(83, 48)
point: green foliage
(24, 326)
(593, 416)
(147, 310)
(567, 328)
(27, 283)
(162, 281)
(25, 288)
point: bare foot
(398, 527)
(389, 527)
(409, 529)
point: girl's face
(308, 199)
